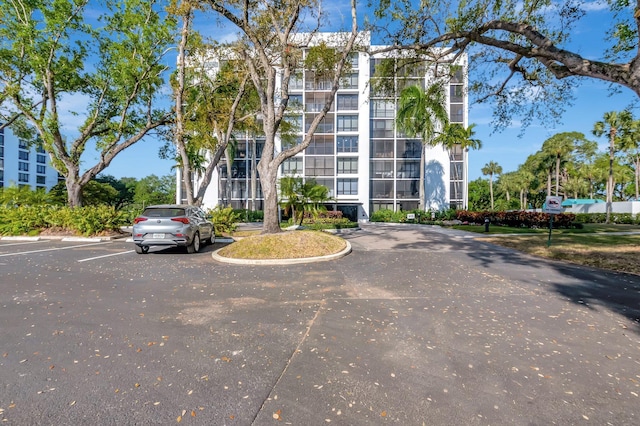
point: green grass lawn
(595, 245)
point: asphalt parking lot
(415, 326)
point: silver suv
(175, 225)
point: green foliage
(17, 196)
(155, 190)
(225, 219)
(517, 219)
(89, 220)
(618, 218)
(250, 215)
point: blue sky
(509, 148)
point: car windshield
(163, 212)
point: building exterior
(357, 152)
(22, 164)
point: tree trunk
(74, 192)
(557, 174)
(610, 178)
(268, 179)
(254, 183)
(187, 174)
(491, 189)
(637, 167)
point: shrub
(225, 219)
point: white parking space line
(52, 249)
(21, 243)
(106, 255)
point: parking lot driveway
(415, 326)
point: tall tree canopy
(520, 50)
(274, 39)
(83, 83)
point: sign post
(552, 206)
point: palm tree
(491, 168)
(420, 114)
(614, 123)
(559, 147)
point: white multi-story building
(22, 164)
(357, 151)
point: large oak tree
(83, 83)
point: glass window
(292, 165)
(383, 109)
(378, 205)
(382, 189)
(348, 123)
(295, 121)
(347, 102)
(23, 177)
(23, 144)
(456, 152)
(328, 183)
(407, 188)
(40, 158)
(456, 113)
(41, 169)
(382, 169)
(408, 169)
(382, 128)
(353, 59)
(23, 155)
(457, 76)
(456, 93)
(325, 126)
(315, 101)
(349, 81)
(295, 101)
(408, 148)
(347, 165)
(295, 82)
(347, 143)
(320, 145)
(407, 206)
(347, 187)
(456, 170)
(40, 180)
(23, 167)
(382, 149)
(319, 166)
(456, 190)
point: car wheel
(142, 249)
(194, 247)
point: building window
(456, 190)
(347, 102)
(295, 101)
(347, 123)
(382, 128)
(22, 144)
(295, 121)
(320, 145)
(382, 189)
(325, 126)
(41, 169)
(42, 159)
(456, 114)
(407, 188)
(382, 149)
(378, 205)
(23, 177)
(328, 183)
(456, 94)
(349, 81)
(40, 149)
(315, 101)
(408, 148)
(292, 165)
(347, 143)
(348, 165)
(408, 169)
(23, 155)
(23, 167)
(382, 169)
(40, 180)
(347, 187)
(319, 166)
(383, 109)
(456, 171)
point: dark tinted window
(164, 212)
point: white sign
(553, 205)
(411, 216)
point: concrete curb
(334, 256)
